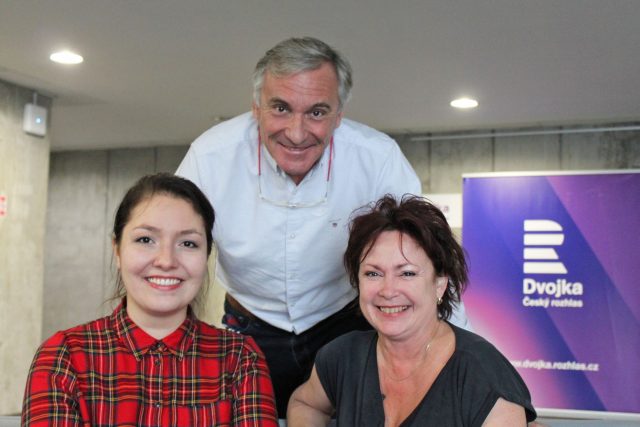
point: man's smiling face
(297, 116)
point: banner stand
(554, 263)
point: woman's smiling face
(162, 258)
(399, 288)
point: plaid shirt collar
(140, 343)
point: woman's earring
(439, 300)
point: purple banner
(555, 282)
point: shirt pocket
(218, 414)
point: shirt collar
(139, 342)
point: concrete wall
(24, 169)
(441, 163)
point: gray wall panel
(417, 153)
(451, 158)
(168, 158)
(602, 150)
(527, 153)
(76, 230)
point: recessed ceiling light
(464, 103)
(66, 57)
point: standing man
(284, 180)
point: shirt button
(158, 404)
(157, 361)
(292, 236)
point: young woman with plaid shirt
(152, 362)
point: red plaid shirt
(109, 372)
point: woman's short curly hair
(419, 219)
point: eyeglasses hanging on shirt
(283, 198)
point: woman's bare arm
(309, 405)
(505, 414)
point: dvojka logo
(541, 237)
(539, 258)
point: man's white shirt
(280, 246)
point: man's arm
(189, 168)
(309, 404)
(397, 177)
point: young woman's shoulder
(96, 330)
(219, 339)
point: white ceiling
(162, 71)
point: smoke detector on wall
(34, 120)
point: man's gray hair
(302, 54)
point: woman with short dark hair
(414, 368)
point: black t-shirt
(463, 394)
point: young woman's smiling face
(162, 258)
(399, 287)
